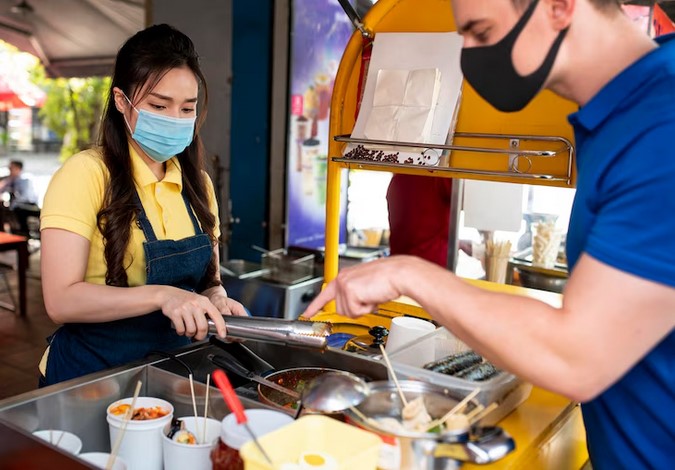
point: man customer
(22, 197)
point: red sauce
(226, 458)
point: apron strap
(145, 225)
(193, 217)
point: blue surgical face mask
(161, 137)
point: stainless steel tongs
(287, 332)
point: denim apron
(77, 349)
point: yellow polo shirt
(75, 196)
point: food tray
(505, 389)
(282, 267)
(350, 447)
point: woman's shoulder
(87, 162)
(91, 157)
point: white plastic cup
(179, 456)
(100, 459)
(141, 446)
(405, 330)
(66, 440)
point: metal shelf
(513, 149)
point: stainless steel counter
(79, 405)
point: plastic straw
(206, 408)
(120, 436)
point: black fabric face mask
(490, 70)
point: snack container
(505, 389)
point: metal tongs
(274, 330)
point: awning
(72, 38)
(14, 94)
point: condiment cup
(62, 439)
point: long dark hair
(143, 60)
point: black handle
(349, 10)
(353, 16)
(379, 333)
(248, 358)
(228, 362)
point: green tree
(72, 109)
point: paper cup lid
(261, 422)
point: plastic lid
(261, 422)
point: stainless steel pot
(541, 281)
(431, 451)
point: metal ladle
(333, 392)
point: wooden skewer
(393, 375)
(474, 412)
(454, 410)
(127, 417)
(483, 413)
(206, 408)
(363, 417)
(194, 403)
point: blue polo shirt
(624, 216)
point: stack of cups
(404, 331)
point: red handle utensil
(235, 406)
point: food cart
(546, 427)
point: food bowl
(414, 450)
(383, 401)
(541, 281)
(294, 379)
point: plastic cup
(546, 240)
(65, 440)
(100, 459)
(179, 456)
(495, 268)
(141, 446)
(405, 330)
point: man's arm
(609, 319)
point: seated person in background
(22, 196)
(419, 216)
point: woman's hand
(188, 311)
(224, 304)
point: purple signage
(320, 32)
